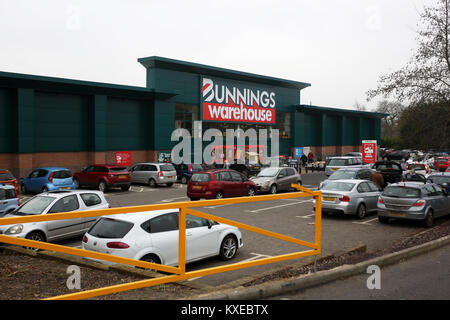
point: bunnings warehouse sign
(233, 101)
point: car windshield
(389, 166)
(200, 177)
(35, 205)
(440, 179)
(6, 176)
(110, 228)
(418, 166)
(339, 175)
(339, 186)
(401, 192)
(167, 167)
(337, 162)
(197, 167)
(62, 174)
(269, 172)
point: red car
(219, 183)
(103, 177)
(442, 163)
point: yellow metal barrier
(179, 273)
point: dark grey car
(414, 201)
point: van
(8, 199)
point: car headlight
(15, 229)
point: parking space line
(173, 199)
(365, 222)
(307, 216)
(218, 206)
(279, 206)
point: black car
(246, 169)
(392, 171)
(398, 155)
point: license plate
(334, 169)
(169, 177)
(396, 214)
(64, 188)
(329, 199)
(122, 176)
(196, 187)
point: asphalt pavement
(424, 277)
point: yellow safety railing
(179, 273)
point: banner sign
(123, 158)
(369, 151)
(235, 101)
(298, 152)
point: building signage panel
(123, 158)
(369, 151)
(235, 101)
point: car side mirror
(210, 224)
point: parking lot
(292, 217)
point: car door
(201, 238)
(91, 201)
(292, 174)
(282, 179)
(441, 201)
(135, 172)
(164, 236)
(86, 177)
(365, 195)
(57, 229)
(373, 198)
(239, 186)
(227, 184)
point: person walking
(377, 178)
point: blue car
(185, 171)
(8, 199)
(47, 179)
(442, 179)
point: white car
(54, 202)
(152, 236)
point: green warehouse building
(49, 121)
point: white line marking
(366, 222)
(274, 207)
(307, 216)
(172, 199)
(218, 206)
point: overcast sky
(340, 47)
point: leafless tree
(426, 77)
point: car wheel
(251, 192)
(23, 189)
(36, 236)
(77, 183)
(125, 188)
(228, 247)
(383, 219)
(169, 184)
(152, 258)
(273, 189)
(219, 195)
(429, 219)
(102, 186)
(184, 180)
(44, 189)
(194, 199)
(361, 211)
(152, 183)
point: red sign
(236, 102)
(123, 158)
(369, 151)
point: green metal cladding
(43, 114)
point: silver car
(413, 201)
(353, 196)
(153, 174)
(53, 202)
(336, 163)
(274, 179)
